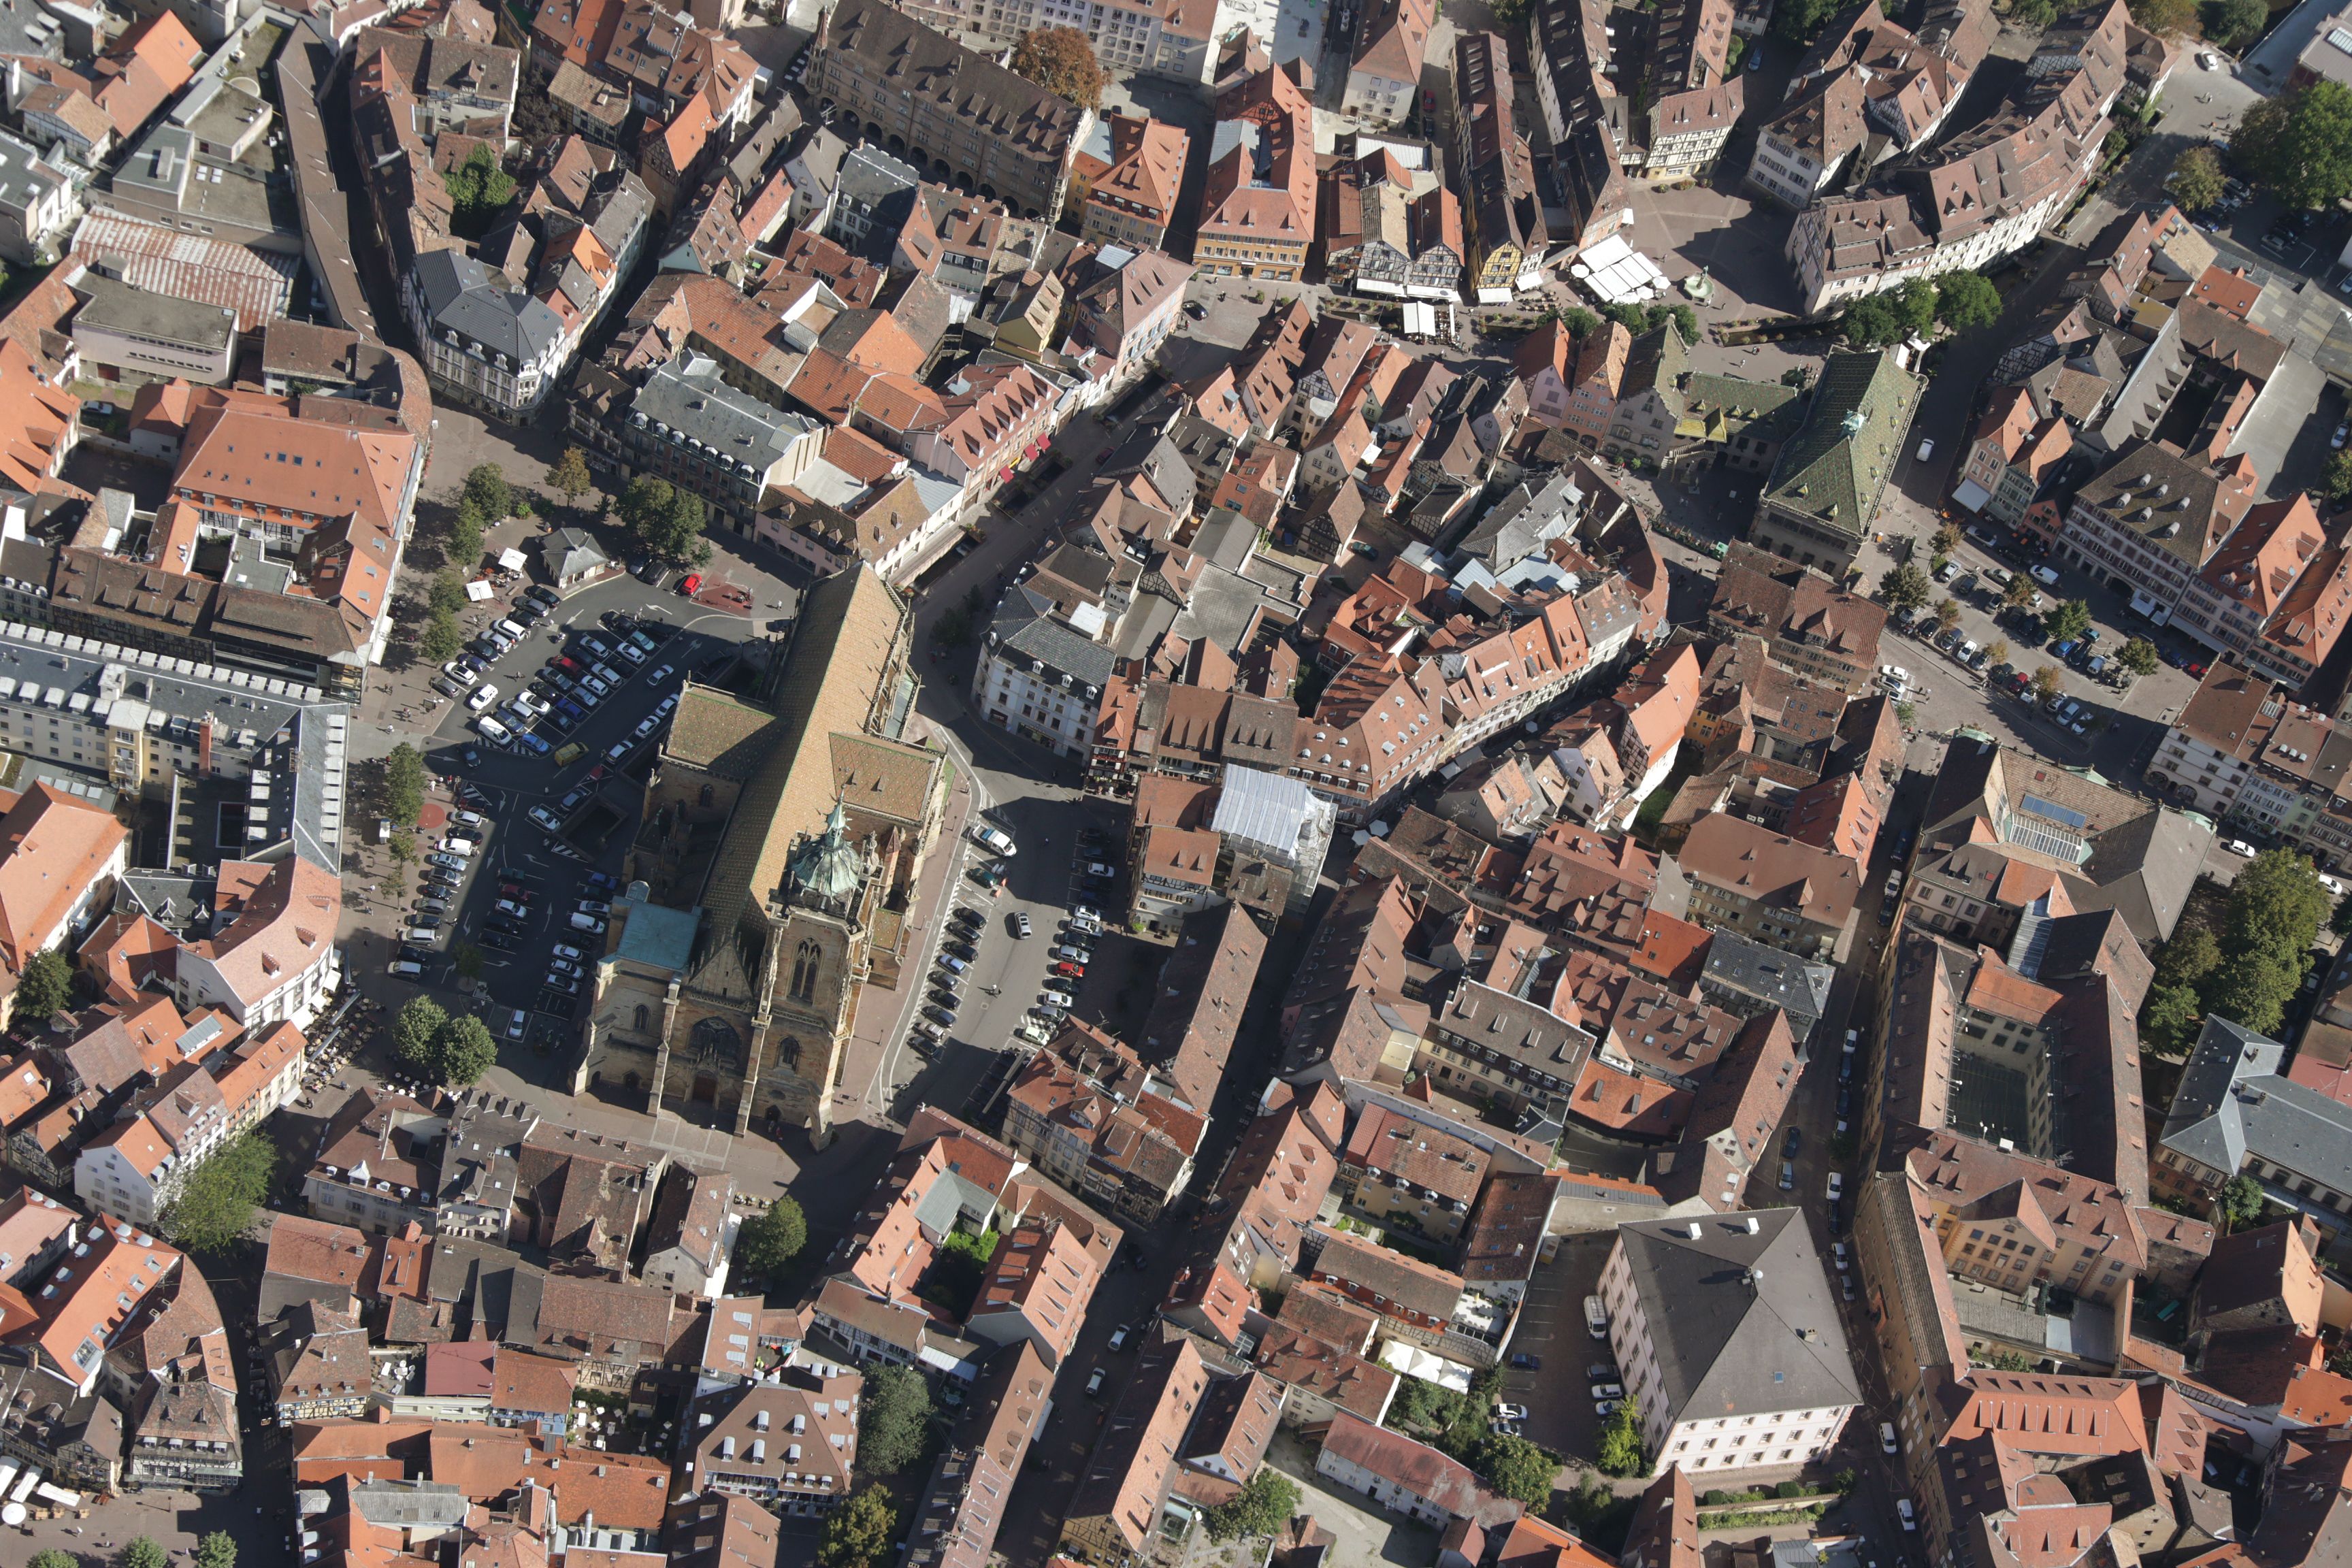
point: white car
(484, 695)
(461, 672)
(1056, 999)
(497, 734)
(995, 840)
(2045, 575)
(469, 819)
(1886, 1443)
(1837, 1185)
(2239, 847)
(1926, 447)
(2205, 60)
(1894, 677)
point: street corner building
(782, 842)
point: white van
(461, 848)
(1596, 1318)
(406, 969)
(421, 936)
(492, 730)
(588, 923)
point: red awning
(1031, 449)
(1008, 473)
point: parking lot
(545, 784)
(1551, 1330)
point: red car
(1070, 970)
(567, 664)
(516, 891)
(692, 586)
(2196, 671)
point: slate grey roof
(2234, 1103)
(409, 1505)
(1264, 809)
(1751, 969)
(1022, 630)
(1523, 521)
(462, 299)
(689, 395)
(1742, 1323)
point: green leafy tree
(215, 1204)
(2253, 989)
(414, 1028)
(1997, 651)
(1872, 322)
(2336, 479)
(1263, 1506)
(2033, 13)
(478, 191)
(1579, 322)
(217, 1550)
(675, 532)
(1798, 21)
(1966, 302)
(861, 1532)
(2168, 18)
(2276, 906)
(45, 986)
(463, 543)
(2196, 179)
(2047, 680)
(404, 784)
(1060, 60)
(1621, 1450)
(891, 1415)
(2300, 144)
(487, 487)
(1947, 614)
(2018, 593)
(767, 1242)
(442, 637)
(1915, 308)
(2341, 921)
(2189, 957)
(460, 1051)
(1517, 1468)
(2171, 1017)
(50, 1557)
(2231, 22)
(568, 475)
(1800, 376)
(140, 1551)
(1906, 587)
(402, 848)
(2138, 656)
(2241, 1202)
(2068, 621)
(468, 961)
(1946, 539)
(448, 592)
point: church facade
(798, 822)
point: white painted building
(1757, 1374)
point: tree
(1800, 376)
(404, 784)
(1947, 539)
(891, 1415)
(2252, 990)
(1621, 1451)
(463, 543)
(140, 1551)
(414, 1029)
(2231, 22)
(2047, 678)
(50, 1557)
(2242, 1200)
(1966, 302)
(1262, 1507)
(217, 1550)
(1579, 322)
(568, 475)
(2170, 19)
(442, 639)
(447, 593)
(1798, 20)
(2300, 144)
(2019, 594)
(216, 1201)
(862, 1530)
(2033, 13)
(487, 487)
(2341, 921)
(2196, 180)
(2067, 622)
(2138, 656)
(468, 961)
(1904, 587)
(676, 535)
(2336, 479)
(2171, 1017)
(2189, 957)
(1517, 1468)
(769, 1241)
(1915, 308)
(45, 986)
(2276, 905)
(402, 848)
(1870, 322)
(1059, 59)
(458, 1053)
(1947, 614)
(1997, 651)
(478, 191)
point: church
(780, 849)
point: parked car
(995, 840)
(1608, 1391)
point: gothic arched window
(804, 967)
(642, 1015)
